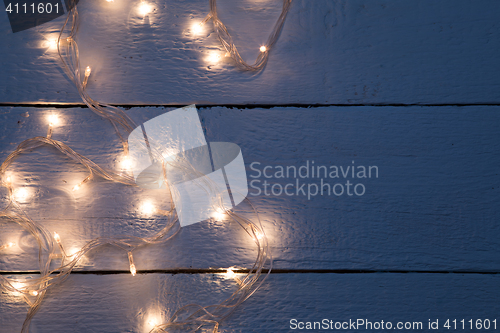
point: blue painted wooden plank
(122, 303)
(349, 51)
(432, 207)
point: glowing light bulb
(6, 246)
(197, 28)
(263, 48)
(147, 208)
(133, 270)
(58, 241)
(53, 44)
(218, 214)
(21, 194)
(57, 238)
(74, 251)
(34, 293)
(17, 286)
(144, 8)
(152, 320)
(230, 273)
(50, 43)
(8, 180)
(53, 120)
(86, 78)
(214, 57)
(127, 163)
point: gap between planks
(264, 271)
(245, 106)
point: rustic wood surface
(341, 86)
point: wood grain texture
(122, 303)
(433, 206)
(330, 52)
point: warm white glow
(230, 273)
(197, 28)
(53, 44)
(131, 262)
(214, 57)
(133, 270)
(18, 286)
(50, 43)
(263, 48)
(152, 319)
(6, 246)
(144, 8)
(109, 0)
(21, 194)
(218, 214)
(34, 293)
(147, 208)
(8, 180)
(76, 187)
(258, 234)
(53, 119)
(57, 238)
(87, 71)
(126, 163)
(73, 251)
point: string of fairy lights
(55, 264)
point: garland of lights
(50, 247)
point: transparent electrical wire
(191, 317)
(227, 41)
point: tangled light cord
(191, 317)
(227, 41)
